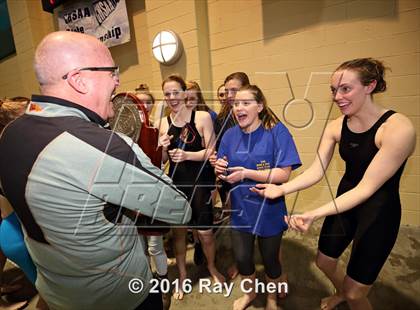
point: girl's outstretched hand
(299, 222)
(270, 191)
(236, 174)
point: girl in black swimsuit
(187, 138)
(375, 144)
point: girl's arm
(314, 173)
(275, 175)
(397, 144)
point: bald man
(61, 171)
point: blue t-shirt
(259, 150)
(213, 115)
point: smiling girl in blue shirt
(257, 149)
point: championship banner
(106, 20)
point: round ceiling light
(166, 47)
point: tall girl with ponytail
(375, 143)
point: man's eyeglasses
(115, 71)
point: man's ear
(77, 82)
(371, 87)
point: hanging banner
(106, 20)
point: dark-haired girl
(225, 120)
(375, 144)
(195, 100)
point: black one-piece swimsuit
(192, 177)
(373, 225)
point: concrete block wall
(178, 16)
(136, 61)
(306, 40)
(271, 40)
(29, 25)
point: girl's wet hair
(175, 78)
(240, 76)
(267, 116)
(369, 70)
